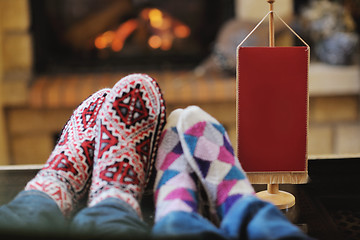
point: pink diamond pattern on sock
(226, 156)
(66, 174)
(199, 131)
(179, 193)
(170, 158)
(223, 190)
(205, 149)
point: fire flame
(164, 29)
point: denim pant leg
(184, 225)
(249, 218)
(32, 211)
(112, 217)
(252, 218)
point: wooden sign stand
(273, 176)
(281, 199)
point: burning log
(88, 28)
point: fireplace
(116, 35)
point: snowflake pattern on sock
(208, 149)
(65, 176)
(129, 127)
(175, 185)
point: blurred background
(53, 54)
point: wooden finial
(271, 24)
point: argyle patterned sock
(129, 127)
(65, 176)
(209, 152)
(175, 185)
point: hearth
(113, 35)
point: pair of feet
(195, 147)
(107, 147)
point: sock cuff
(55, 189)
(116, 193)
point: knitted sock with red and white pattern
(65, 176)
(175, 185)
(209, 152)
(128, 130)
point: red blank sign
(272, 102)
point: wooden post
(272, 188)
(271, 24)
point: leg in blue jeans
(249, 218)
(111, 217)
(185, 225)
(32, 211)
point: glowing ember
(122, 33)
(155, 41)
(104, 40)
(167, 41)
(182, 31)
(156, 18)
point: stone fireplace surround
(33, 108)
